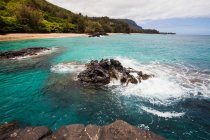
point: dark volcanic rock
(99, 73)
(96, 74)
(97, 34)
(21, 53)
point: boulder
(145, 76)
(119, 130)
(29, 133)
(99, 73)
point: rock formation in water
(99, 73)
(97, 34)
(119, 130)
(22, 53)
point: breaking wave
(169, 84)
(163, 114)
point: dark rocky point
(21, 53)
(99, 73)
(97, 34)
(119, 130)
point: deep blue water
(175, 103)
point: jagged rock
(133, 80)
(21, 53)
(145, 76)
(97, 34)
(140, 73)
(99, 73)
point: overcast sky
(149, 13)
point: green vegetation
(32, 16)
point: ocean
(175, 103)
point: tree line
(32, 16)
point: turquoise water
(175, 103)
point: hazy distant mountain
(132, 24)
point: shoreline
(28, 36)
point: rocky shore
(22, 53)
(100, 73)
(97, 34)
(119, 130)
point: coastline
(28, 36)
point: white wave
(70, 67)
(170, 83)
(162, 114)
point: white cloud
(138, 10)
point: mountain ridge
(40, 16)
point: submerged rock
(22, 53)
(99, 73)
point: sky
(180, 16)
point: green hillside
(39, 16)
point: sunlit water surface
(175, 103)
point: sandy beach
(26, 36)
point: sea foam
(162, 114)
(169, 84)
(69, 67)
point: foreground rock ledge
(119, 130)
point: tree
(28, 16)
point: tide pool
(174, 104)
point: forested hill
(40, 16)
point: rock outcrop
(22, 53)
(119, 130)
(97, 34)
(99, 73)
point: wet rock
(97, 34)
(94, 75)
(117, 65)
(133, 80)
(99, 73)
(140, 73)
(21, 53)
(123, 80)
(199, 93)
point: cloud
(138, 10)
